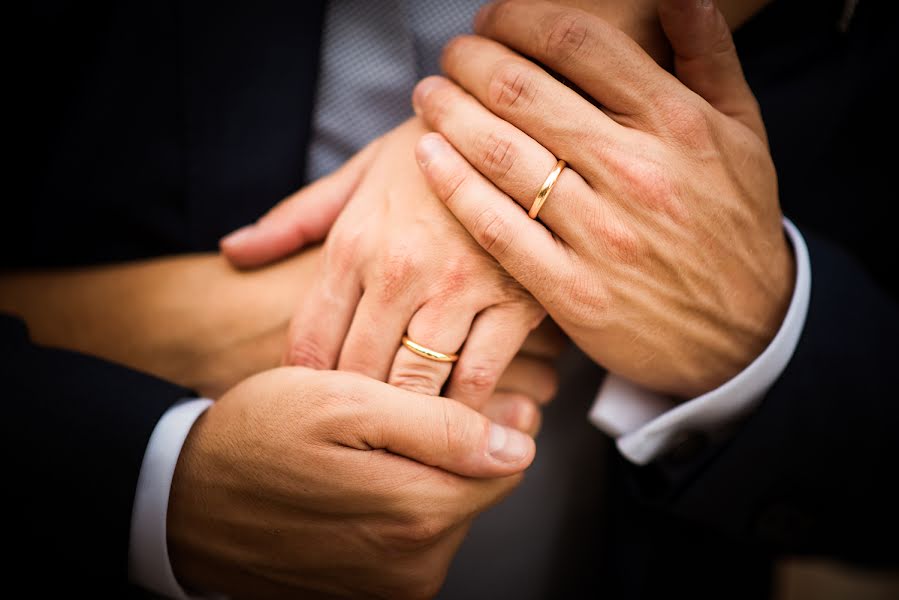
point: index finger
(594, 55)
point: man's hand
(662, 254)
(311, 482)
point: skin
(302, 483)
(300, 451)
(395, 266)
(238, 520)
(660, 251)
(396, 262)
(192, 320)
(196, 321)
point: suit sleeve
(813, 468)
(78, 429)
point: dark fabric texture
(77, 428)
(809, 471)
(151, 128)
(156, 127)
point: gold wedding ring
(428, 353)
(545, 189)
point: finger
(706, 61)
(513, 410)
(525, 248)
(512, 160)
(495, 337)
(438, 326)
(319, 327)
(376, 332)
(439, 432)
(520, 92)
(536, 378)
(596, 56)
(300, 219)
(547, 341)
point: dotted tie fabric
(373, 54)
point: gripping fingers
(496, 335)
(319, 327)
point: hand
(198, 323)
(529, 382)
(300, 481)
(661, 251)
(396, 262)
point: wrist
(241, 328)
(756, 321)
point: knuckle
(567, 36)
(341, 248)
(451, 185)
(597, 146)
(654, 188)
(492, 232)
(622, 244)
(398, 270)
(686, 122)
(497, 155)
(306, 351)
(454, 282)
(510, 86)
(586, 301)
(417, 377)
(478, 379)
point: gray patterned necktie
(373, 53)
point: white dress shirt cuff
(148, 555)
(646, 424)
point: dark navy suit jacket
(154, 128)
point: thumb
(443, 433)
(302, 218)
(706, 61)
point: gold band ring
(545, 189)
(428, 353)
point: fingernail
(508, 445)
(429, 147)
(420, 93)
(239, 235)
